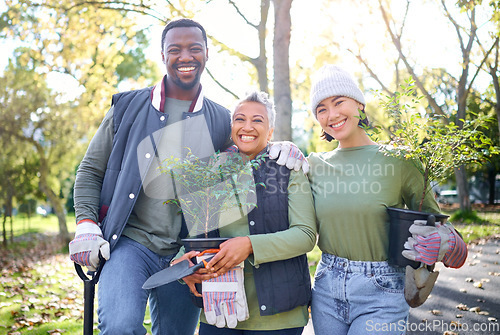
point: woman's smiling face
(339, 117)
(251, 130)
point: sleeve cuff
(456, 257)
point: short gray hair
(262, 98)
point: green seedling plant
(206, 188)
(436, 146)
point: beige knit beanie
(332, 81)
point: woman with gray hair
(271, 240)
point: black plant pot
(201, 244)
(400, 221)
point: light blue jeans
(206, 329)
(122, 301)
(355, 297)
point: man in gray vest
(119, 192)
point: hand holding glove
(431, 244)
(84, 249)
(289, 154)
(224, 299)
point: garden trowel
(419, 284)
(177, 271)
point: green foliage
(372, 130)
(473, 232)
(82, 45)
(135, 65)
(436, 147)
(207, 188)
(466, 217)
(313, 258)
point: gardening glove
(289, 154)
(84, 249)
(232, 148)
(457, 251)
(224, 298)
(431, 244)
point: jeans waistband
(365, 267)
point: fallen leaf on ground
(478, 285)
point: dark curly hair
(182, 23)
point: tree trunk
(492, 174)
(496, 85)
(8, 209)
(57, 205)
(460, 173)
(497, 109)
(282, 91)
(55, 201)
(492, 171)
(462, 189)
(11, 227)
(261, 62)
(4, 230)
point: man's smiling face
(184, 54)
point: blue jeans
(355, 297)
(122, 300)
(206, 329)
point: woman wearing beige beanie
(355, 290)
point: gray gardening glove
(429, 244)
(289, 154)
(84, 249)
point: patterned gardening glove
(431, 244)
(232, 148)
(224, 299)
(289, 154)
(457, 252)
(84, 249)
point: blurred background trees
(64, 59)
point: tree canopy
(99, 48)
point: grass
(41, 293)
(476, 225)
(23, 225)
(40, 290)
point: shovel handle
(205, 261)
(88, 294)
(208, 251)
(94, 275)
